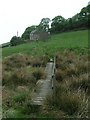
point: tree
(58, 24)
(83, 17)
(80, 20)
(27, 32)
(44, 25)
(88, 14)
(15, 41)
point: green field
(77, 41)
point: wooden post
(54, 80)
(53, 77)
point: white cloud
(19, 14)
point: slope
(77, 40)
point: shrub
(69, 104)
(18, 77)
(5, 78)
(16, 41)
(36, 63)
(39, 61)
(14, 61)
(11, 113)
(29, 108)
(71, 71)
(59, 75)
(68, 101)
(19, 98)
(81, 82)
(38, 74)
(82, 66)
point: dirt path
(45, 86)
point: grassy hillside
(77, 41)
(21, 72)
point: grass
(24, 65)
(22, 69)
(71, 99)
(76, 41)
(72, 85)
(19, 78)
(11, 113)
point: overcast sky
(17, 15)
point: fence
(53, 75)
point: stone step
(36, 102)
(40, 98)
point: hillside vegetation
(77, 41)
(24, 65)
(19, 80)
(59, 24)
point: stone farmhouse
(39, 35)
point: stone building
(39, 35)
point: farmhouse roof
(33, 31)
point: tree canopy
(15, 41)
(44, 24)
(58, 24)
(27, 32)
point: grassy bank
(76, 41)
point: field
(76, 41)
(24, 65)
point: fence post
(53, 77)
